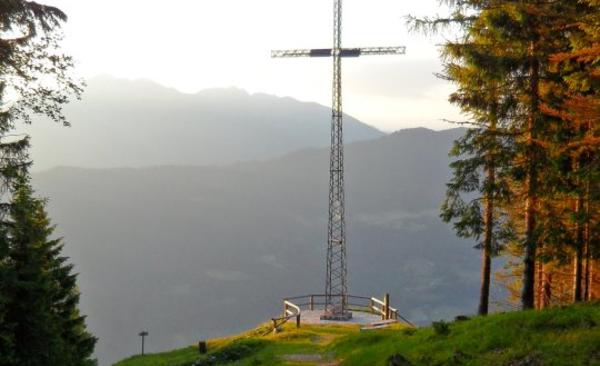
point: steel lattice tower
(336, 287)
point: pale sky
(193, 45)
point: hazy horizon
(192, 46)
(137, 123)
(101, 76)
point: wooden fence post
(312, 302)
(298, 320)
(386, 306)
(202, 347)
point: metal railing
(292, 307)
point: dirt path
(304, 358)
(315, 359)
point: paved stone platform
(358, 318)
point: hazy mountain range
(224, 212)
(192, 252)
(122, 123)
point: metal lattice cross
(336, 287)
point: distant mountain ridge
(122, 123)
(196, 252)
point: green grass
(559, 336)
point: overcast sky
(198, 44)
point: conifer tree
(518, 38)
(41, 311)
(6, 339)
(578, 108)
(478, 191)
(35, 78)
(474, 202)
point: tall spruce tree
(526, 33)
(34, 79)
(41, 306)
(6, 336)
(578, 142)
(519, 37)
(478, 191)
(474, 199)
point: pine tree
(474, 202)
(34, 79)
(6, 336)
(31, 63)
(579, 110)
(514, 40)
(477, 191)
(41, 307)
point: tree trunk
(586, 277)
(486, 270)
(547, 294)
(539, 285)
(528, 294)
(578, 267)
(486, 265)
(591, 294)
(588, 255)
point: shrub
(441, 328)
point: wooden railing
(292, 307)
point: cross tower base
(336, 314)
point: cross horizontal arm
(291, 53)
(366, 51)
(343, 52)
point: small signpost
(143, 334)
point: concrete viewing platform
(367, 312)
(358, 318)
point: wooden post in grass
(143, 334)
(386, 306)
(202, 347)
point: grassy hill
(558, 336)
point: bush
(409, 331)
(441, 328)
(232, 353)
(398, 360)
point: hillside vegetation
(557, 336)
